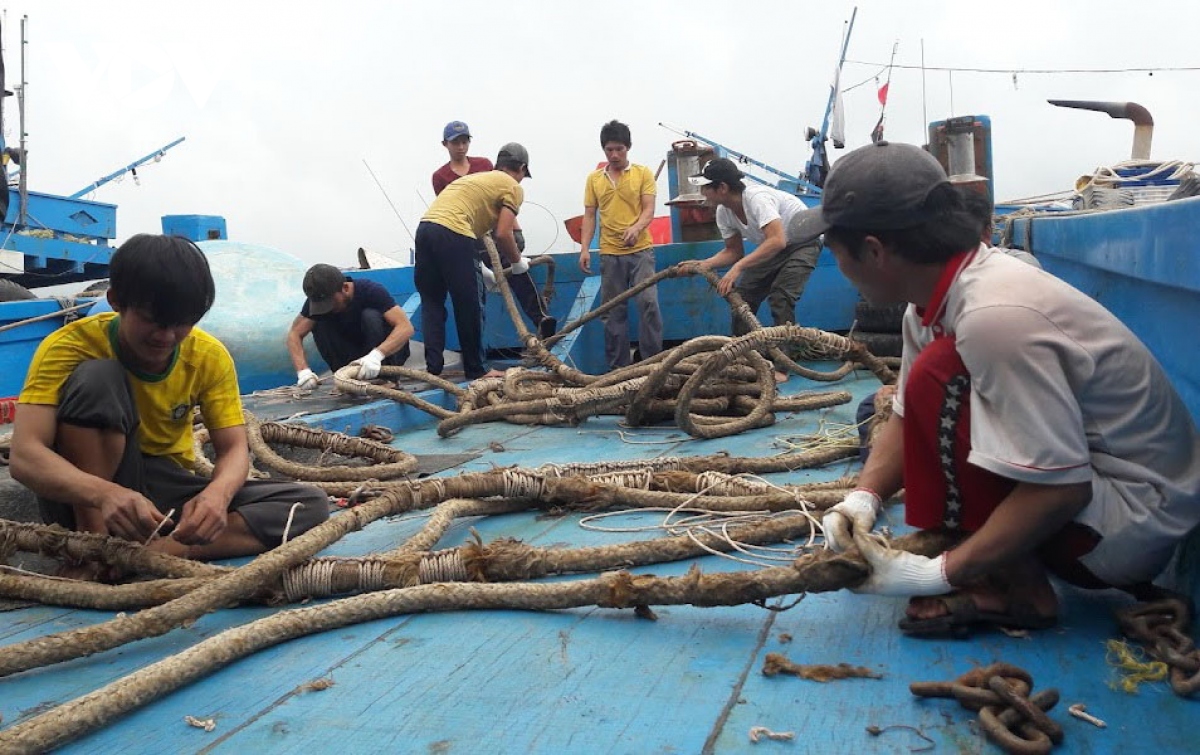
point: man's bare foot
(169, 546)
(494, 374)
(780, 377)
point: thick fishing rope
(223, 587)
(247, 581)
(564, 395)
(818, 572)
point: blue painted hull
(1143, 264)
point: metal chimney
(1143, 123)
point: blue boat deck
(593, 680)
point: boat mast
(155, 156)
(818, 164)
(23, 185)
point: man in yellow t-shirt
(447, 263)
(622, 194)
(103, 433)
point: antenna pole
(23, 185)
(389, 201)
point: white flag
(837, 117)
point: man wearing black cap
(778, 269)
(1027, 419)
(447, 262)
(351, 321)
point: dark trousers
(523, 288)
(447, 263)
(97, 395)
(525, 292)
(339, 350)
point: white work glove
(489, 278)
(859, 506)
(307, 379)
(520, 266)
(895, 572)
(368, 366)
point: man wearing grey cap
(456, 138)
(447, 262)
(1028, 420)
(351, 320)
(778, 268)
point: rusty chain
(1012, 718)
(1162, 627)
(377, 433)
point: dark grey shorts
(97, 395)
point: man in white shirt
(778, 268)
(1028, 419)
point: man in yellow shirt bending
(103, 432)
(447, 263)
(622, 194)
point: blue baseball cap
(455, 129)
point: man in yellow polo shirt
(447, 263)
(103, 432)
(622, 194)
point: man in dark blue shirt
(351, 321)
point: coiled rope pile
(710, 387)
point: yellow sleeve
(59, 354)
(589, 193)
(48, 370)
(220, 399)
(512, 198)
(649, 185)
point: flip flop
(962, 616)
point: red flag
(883, 91)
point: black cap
(718, 170)
(879, 187)
(321, 282)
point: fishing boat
(568, 662)
(600, 678)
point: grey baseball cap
(879, 187)
(516, 153)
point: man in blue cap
(456, 138)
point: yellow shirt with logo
(471, 205)
(620, 206)
(202, 374)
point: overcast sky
(281, 102)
